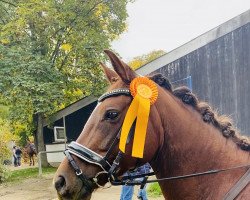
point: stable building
(215, 65)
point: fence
(40, 161)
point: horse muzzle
(76, 191)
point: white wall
(55, 157)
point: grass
(154, 190)
(18, 175)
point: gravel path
(42, 189)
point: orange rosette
(145, 93)
(145, 87)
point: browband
(116, 92)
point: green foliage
(50, 50)
(146, 58)
(154, 190)
(5, 137)
(23, 138)
(4, 111)
(27, 82)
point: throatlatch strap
(238, 187)
(113, 168)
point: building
(215, 65)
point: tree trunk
(40, 140)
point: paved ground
(42, 189)
(29, 189)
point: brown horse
(30, 149)
(183, 137)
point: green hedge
(154, 190)
(18, 175)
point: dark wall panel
(76, 121)
(74, 124)
(220, 74)
(48, 131)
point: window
(59, 134)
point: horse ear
(111, 75)
(122, 69)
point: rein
(128, 180)
(110, 170)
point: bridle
(94, 158)
(87, 155)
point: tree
(69, 35)
(50, 50)
(139, 61)
(30, 85)
(26, 83)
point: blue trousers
(128, 191)
(18, 161)
(142, 194)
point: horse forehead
(114, 102)
(118, 84)
(119, 101)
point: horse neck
(191, 146)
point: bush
(154, 190)
(5, 153)
(4, 173)
(4, 156)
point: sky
(168, 24)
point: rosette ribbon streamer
(145, 93)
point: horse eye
(111, 115)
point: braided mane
(221, 122)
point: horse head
(100, 136)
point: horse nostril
(60, 183)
